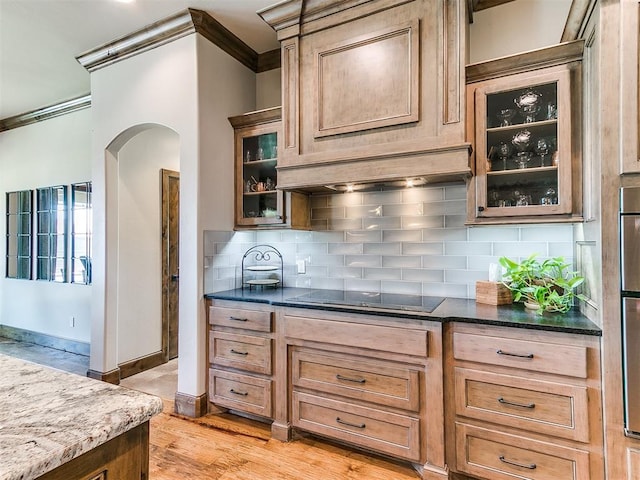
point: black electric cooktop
(389, 301)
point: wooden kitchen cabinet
(524, 121)
(347, 385)
(258, 201)
(240, 357)
(526, 404)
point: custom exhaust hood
(373, 92)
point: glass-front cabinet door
(258, 202)
(526, 135)
(524, 147)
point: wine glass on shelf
(522, 141)
(542, 147)
(504, 152)
(505, 115)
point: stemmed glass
(542, 148)
(505, 116)
(504, 151)
(522, 140)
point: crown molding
(45, 113)
(167, 30)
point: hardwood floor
(224, 446)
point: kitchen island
(57, 425)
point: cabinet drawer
(244, 352)
(543, 407)
(240, 318)
(240, 392)
(553, 358)
(389, 433)
(396, 340)
(489, 454)
(386, 383)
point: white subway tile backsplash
(444, 262)
(414, 222)
(391, 248)
(400, 241)
(363, 236)
(546, 233)
(344, 199)
(345, 272)
(363, 260)
(361, 285)
(445, 290)
(382, 273)
(414, 195)
(382, 198)
(520, 249)
(422, 275)
(455, 192)
(363, 211)
(401, 261)
(404, 288)
(424, 248)
(345, 248)
(404, 209)
(402, 236)
(494, 234)
(467, 248)
(382, 223)
(436, 234)
(344, 224)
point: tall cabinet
(258, 201)
(524, 122)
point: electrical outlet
(302, 266)
(72, 321)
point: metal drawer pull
(515, 404)
(238, 319)
(528, 355)
(239, 353)
(531, 466)
(244, 394)
(347, 379)
(361, 425)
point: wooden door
(170, 262)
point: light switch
(302, 266)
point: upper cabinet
(372, 91)
(524, 122)
(259, 201)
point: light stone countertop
(49, 417)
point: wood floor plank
(232, 448)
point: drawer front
(240, 392)
(386, 383)
(543, 407)
(489, 454)
(396, 340)
(558, 359)
(389, 433)
(244, 352)
(241, 318)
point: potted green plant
(546, 286)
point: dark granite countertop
(450, 310)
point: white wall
(140, 254)
(53, 152)
(516, 27)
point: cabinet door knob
(481, 209)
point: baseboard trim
(112, 376)
(190, 406)
(64, 344)
(141, 364)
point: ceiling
(39, 40)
